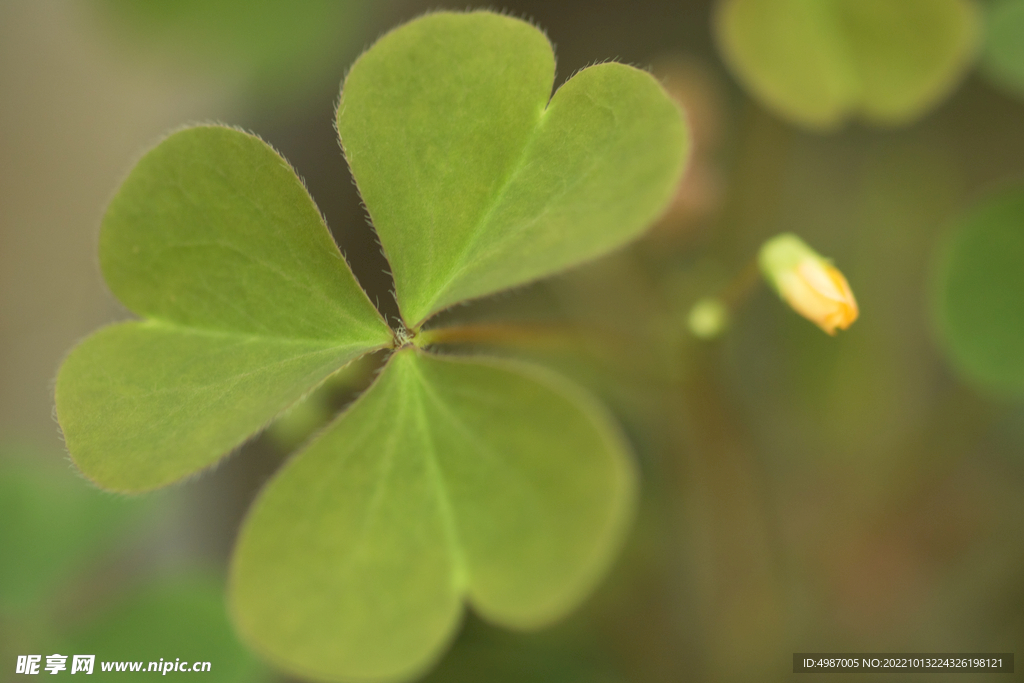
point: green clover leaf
(449, 480)
(818, 62)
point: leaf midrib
(480, 444)
(516, 169)
(305, 284)
(461, 263)
(152, 322)
(460, 574)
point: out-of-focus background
(799, 492)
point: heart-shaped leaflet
(475, 181)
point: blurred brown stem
(742, 286)
(730, 515)
(527, 334)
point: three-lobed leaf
(819, 62)
(979, 294)
(475, 181)
(449, 479)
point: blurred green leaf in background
(278, 49)
(174, 618)
(979, 293)
(818, 63)
(52, 526)
(66, 585)
(1002, 58)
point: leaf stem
(742, 286)
(523, 334)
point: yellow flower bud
(809, 283)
